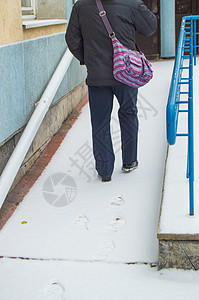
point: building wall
(28, 59)
(27, 67)
(10, 21)
(51, 9)
(42, 31)
(68, 8)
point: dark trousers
(101, 104)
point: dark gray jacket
(88, 40)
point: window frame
(31, 9)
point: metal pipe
(174, 94)
(10, 171)
(174, 99)
(167, 20)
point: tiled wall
(26, 68)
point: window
(28, 9)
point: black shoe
(130, 167)
(104, 179)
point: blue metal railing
(182, 87)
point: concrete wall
(28, 58)
(53, 120)
(179, 254)
(27, 67)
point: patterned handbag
(129, 66)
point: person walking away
(89, 42)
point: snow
(85, 280)
(175, 217)
(72, 236)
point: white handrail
(11, 169)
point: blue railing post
(190, 124)
(188, 171)
(195, 41)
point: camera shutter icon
(59, 189)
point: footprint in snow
(116, 202)
(104, 250)
(55, 291)
(82, 222)
(116, 224)
(119, 221)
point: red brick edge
(22, 188)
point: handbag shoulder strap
(106, 22)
